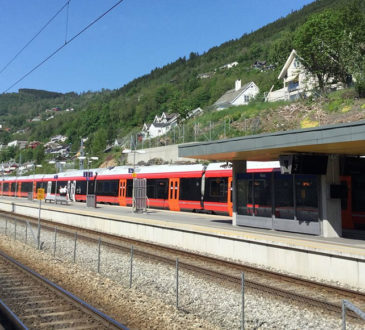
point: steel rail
(109, 322)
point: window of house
(247, 98)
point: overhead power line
(64, 45)
(35, 36)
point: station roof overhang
(342, 139)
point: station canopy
(342, 139)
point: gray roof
(231, 95)
(346, 139)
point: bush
(360, 88)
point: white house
(17, 143)
(297, 81)
(194, 113)
(160, 125)
(240, 95)
(229, 65)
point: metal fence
(123, 264)
(346, 305)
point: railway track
(318, 295)
(40, 304)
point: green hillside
(175, 88)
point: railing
(347, 305)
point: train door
(34, 189)
(229, 196)
(346, 205)
(174, 188)
(19, 189)
(72, 191)
(49, 187)
(122, 192)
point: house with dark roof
(240, 95)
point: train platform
(339, 260)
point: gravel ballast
(151, 302)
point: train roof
(154, 169)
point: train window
(262, 186)
(59, 185)
(41, 185)
(81, 187)
(130, 188)
(306, 194)
(157, 188)
(358, 197)
(244, 194)
(105, 187)
(161, 188)
(190, 189)
(6, 186)
(27, 187)
(284, 198)
(216, 190)
(12, 187)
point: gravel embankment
(150, 304)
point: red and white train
(174, 187)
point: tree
(353, 43)
(317, 42)
(330, 43)
(280, 48)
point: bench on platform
(57, 199)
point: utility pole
(82, 154)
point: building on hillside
(240, 95)
(205, 75)
(160, 125)
(194, 113)
(18, 143)
(58, 138)
(297, 81)
(229, 65)
(33, 144)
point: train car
(176, 187)
(9, 186)
(167, 186)
(217, 183)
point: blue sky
(132, 40)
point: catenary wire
(65, 44)
(35, 36)
(66, 33)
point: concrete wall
(307, 259)
(167, 153)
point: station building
(319, 188)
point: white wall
(167, 153)
(320, 262)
